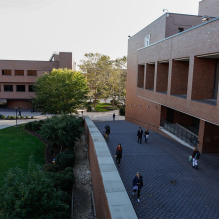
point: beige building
(17, 77)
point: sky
(34, 29)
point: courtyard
(172, 188)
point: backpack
(197, 155)
(108, 129)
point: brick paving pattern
(172, 188)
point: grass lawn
(16, 146)
(99, 107)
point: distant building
(173, 73)
(17, 77)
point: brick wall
(150, 70)
(179, 80)
(203, 78)
(162, 76)
(101, 204)
(209, 7)
(23, 104)
(141, 76)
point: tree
(106, 78)
(62, 90)
(31, 195)
(97, 68)
(62, 131)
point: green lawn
(99, 107)
(16, 146)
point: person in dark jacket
(137, 184)
(118, 153)
(146, 135)
(139, 135)
(114, 116)
(195, 157)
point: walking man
(114, 116)
(137, 184)
(195, 157)
(139, 135)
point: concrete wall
(110, 196)
(209, 7)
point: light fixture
(129, 36)
(130, 104)
(147, 106)
(140, 105)
(135, 105)
(155, 106)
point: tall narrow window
(19, 72)
(6, 72)
(32, 72)
(20, 88)
(8, 88)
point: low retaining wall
(110, 197)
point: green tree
(62, 90)
(106, 78)
(62, 131)
(31, 195)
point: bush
(26, 117)
(122, 111)
(97, 101)
(60, 181)
(51, 150)
(22, 117)
(70, 177)
(65, 159)
(36, 126)
(89, 108)
(32, 195)
(68, 170)
(28, 125)
(65, 197)
(12, 117)
(32, 117)
(51, 168)
(4, 117)
(115, 102)
(1, 116)
(8, 117)
(62, 130)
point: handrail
(181, 133)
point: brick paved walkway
(172, 188)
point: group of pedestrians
(137, 181)
(140, 134)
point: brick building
(173, 73)
(17, 77)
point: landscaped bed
(16, 147)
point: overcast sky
(34, 29)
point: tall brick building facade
(173, 73)
(17, 77)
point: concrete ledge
(111, 198)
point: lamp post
(16, 116)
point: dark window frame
(8, 90)
(29, 88)
(20, 87)
(6, 70)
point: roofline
(192, 28)
(163, 15)
(26, 60)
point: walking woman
(118, 153)
(137, 184)
(195, 157)
(146, 135)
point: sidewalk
(172, 188)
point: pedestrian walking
(146, 135)
(114, 116)
(139, 135)
(118, 153)
(137, 184)
(195, 157)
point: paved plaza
(172, 188)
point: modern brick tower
(173, 73)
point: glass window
(20, 88)
(6, 72)
(31, 88)
(8, 88)
(31, 72)
(19, 72)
